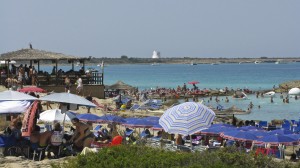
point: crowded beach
(130, 116)
(39, 124)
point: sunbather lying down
(82, 137)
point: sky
(135, 28)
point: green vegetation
(146, 157)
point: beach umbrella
(10, 95)
(186, 118)
(111, 118)
(294, 91)
(277, 139)
(259, 133)
(32, 89)
(280, 131)
(157, 127)
(138, 123)
(247, 128)
(55, 115)
(152, 119)
(88, 117)
(193, 82)
(14, 106)
(221, 125)
(294, 136)
(67, 98)
(239, 135)
(216, 130)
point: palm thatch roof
(35, 54)
(121, 86)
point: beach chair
(129, 135)
(48, 127)
(184, 148)
(263, 124)
(220, 107)
(96, 130)
(128, 132)
(145, 134)
(134, 107)
(38, 151)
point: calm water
(250, 75)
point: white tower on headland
(156, 54)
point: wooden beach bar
(54, 81)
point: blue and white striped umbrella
(186, 118)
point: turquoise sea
(248, 75)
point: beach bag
(56, 138)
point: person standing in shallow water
(79, 87)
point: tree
(124, 57)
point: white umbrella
(14, 106)
(56, 115)
(67, 98)
(294, 91)
(186, 118)
(10, 95)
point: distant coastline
(187, 60)
(46, 57)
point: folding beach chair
(145, 134)
(135, 107)
(96, 130)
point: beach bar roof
(35, 54)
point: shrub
(146, 157)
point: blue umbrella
(247, 128)
(187, 118)
(294, 136)
(157, 127)
(277, 139)
(111, 118)
(138, 123)
(152, 118)
(221, 125)
(216, 130)
(239, 135)
(259, 133)
(280, 131)
(88, 117)
(130, 119)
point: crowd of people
(19, 76)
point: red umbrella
(32, 89)
(193, 82)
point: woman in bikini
(82, 137)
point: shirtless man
(82, 137)
(14, 119)
(67, 83)
(40, 139)
(79, 87)
(35, 136)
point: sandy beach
(21, 162)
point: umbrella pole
(191, 141)
(63, 125)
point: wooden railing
(95, 78)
